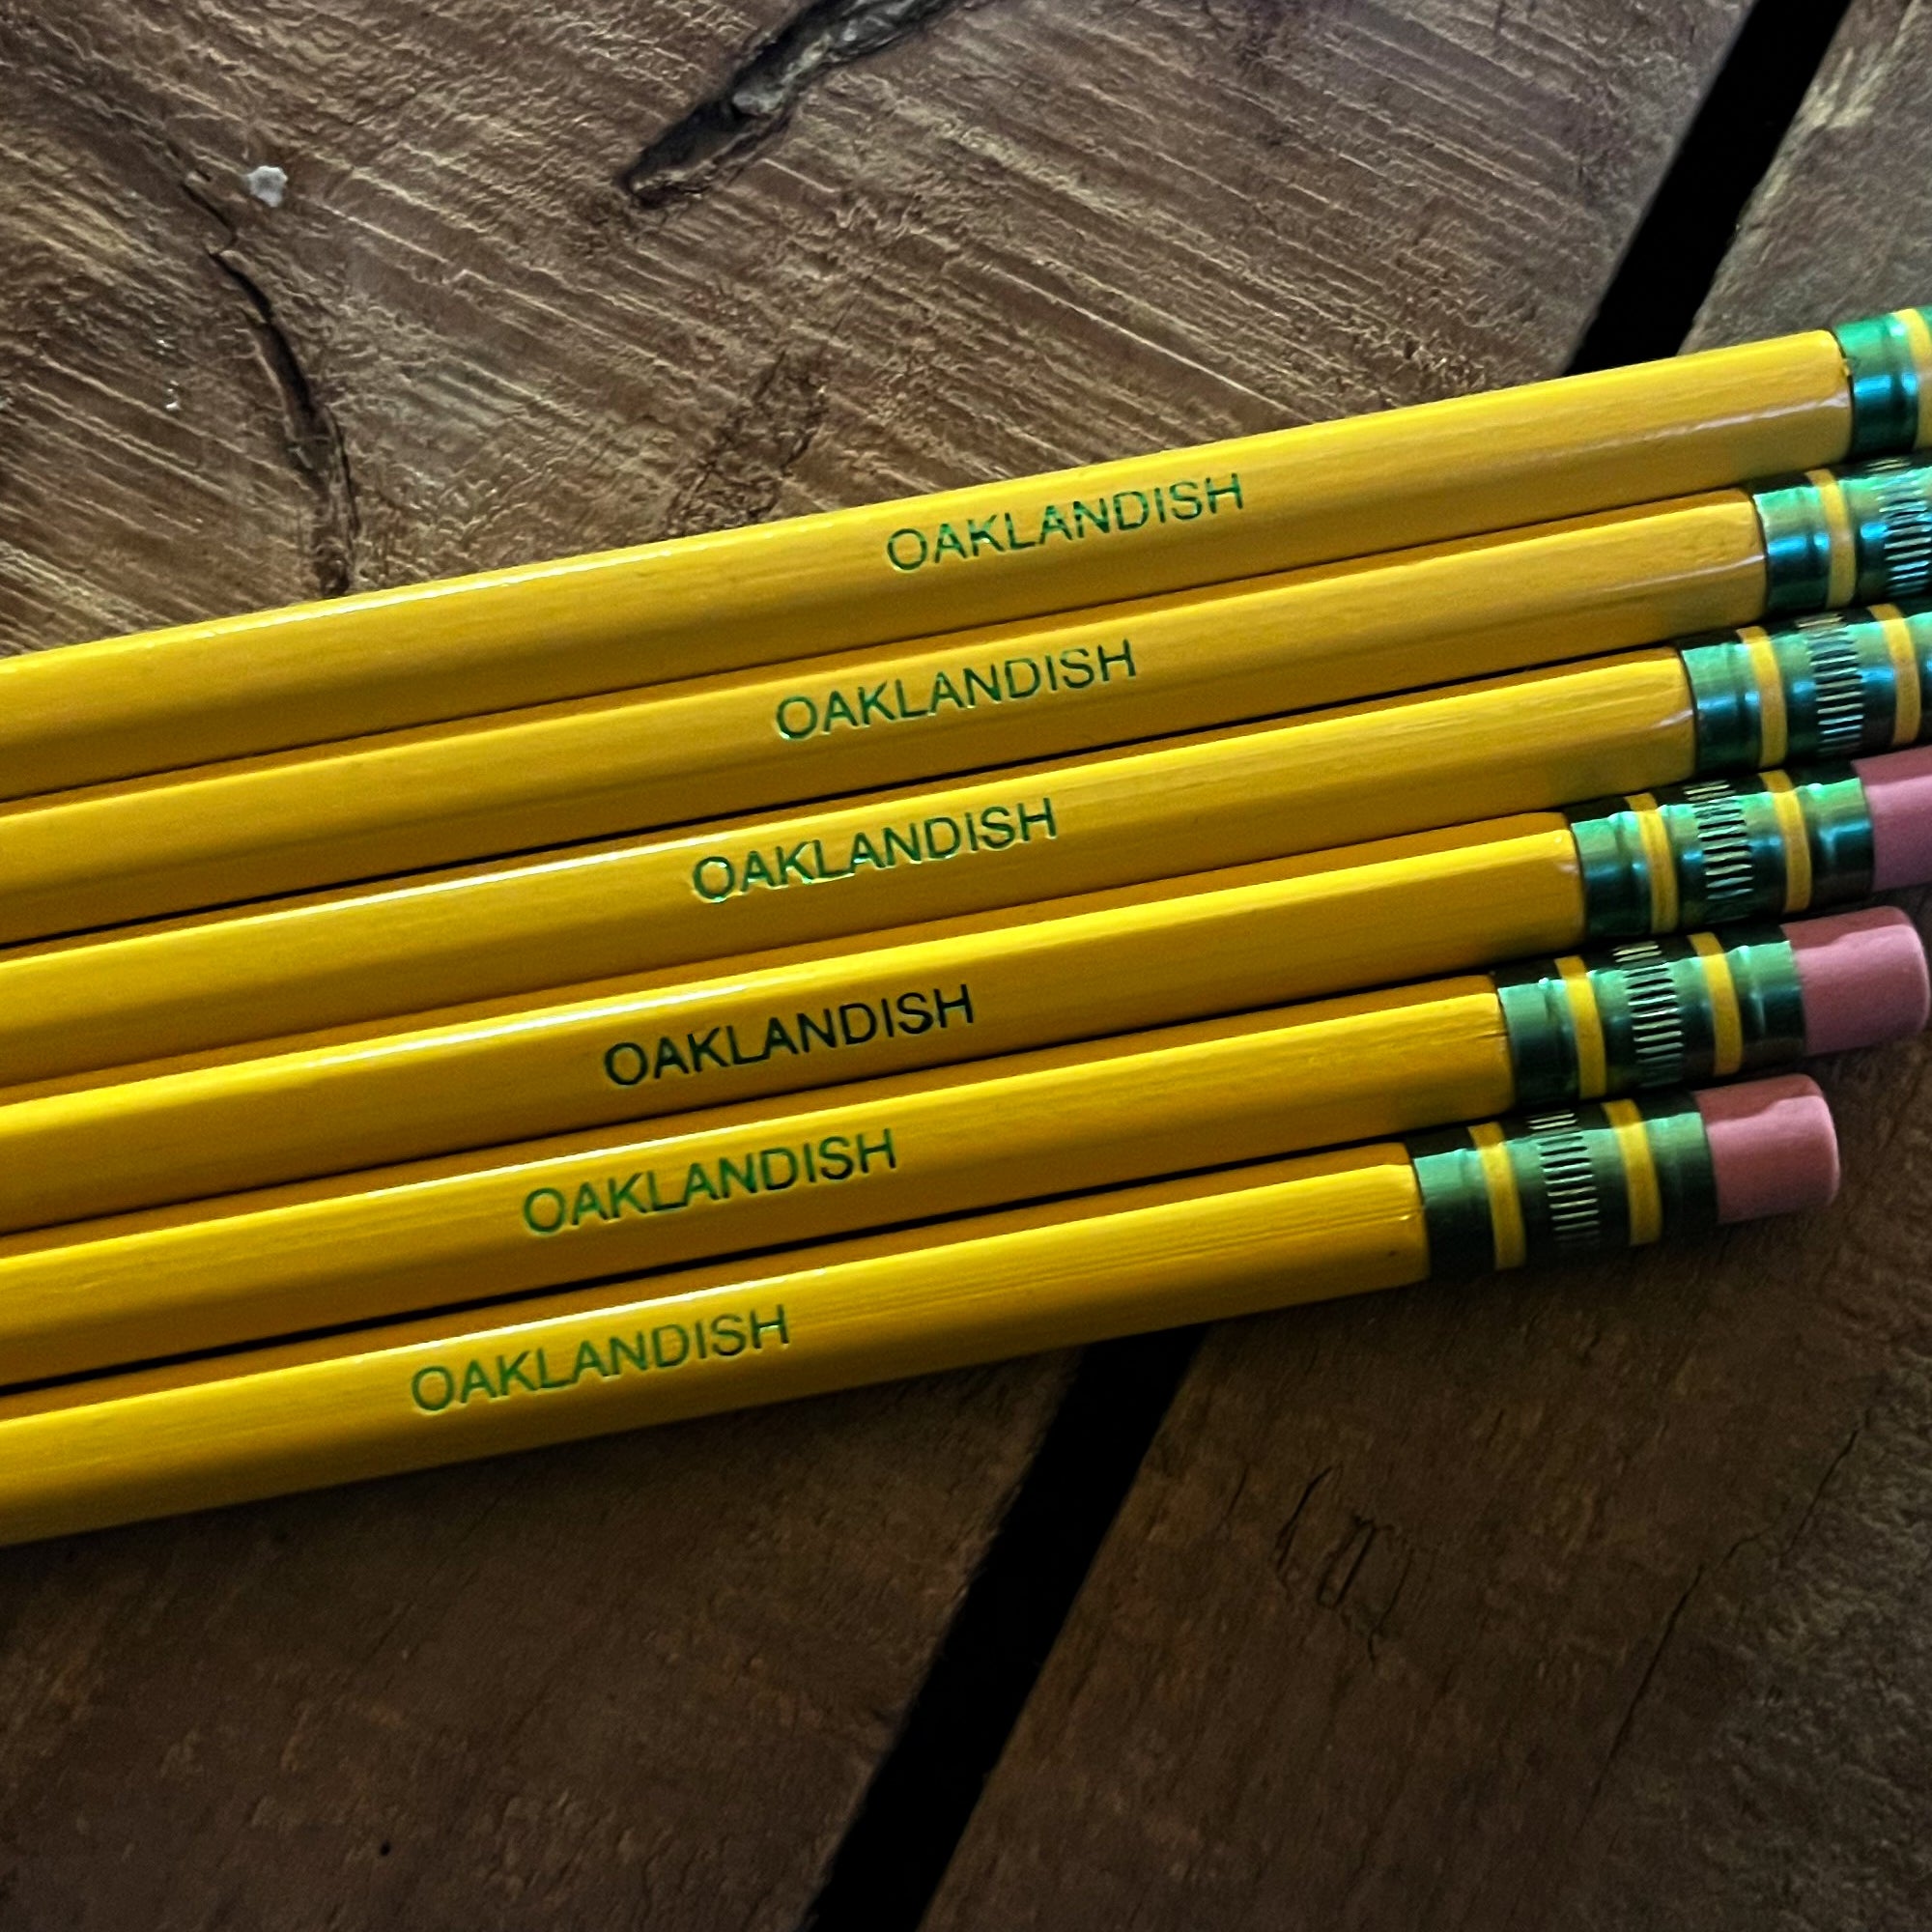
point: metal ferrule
(1563, 1183)
(1651, 1012)
(1834, 686)
(1720, 850)
(1888, 379)
(1860, 535)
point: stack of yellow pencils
(481, 1014)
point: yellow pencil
(683, 754)
(1068, 970)
(516, 1219)
(1495, 1196)
(1538, 739)
(985, 555)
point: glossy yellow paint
(380, 660)
(953, 1140)
(328, 1412)
(683, 754)
(1073, 970)
(1448, 757)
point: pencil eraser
(1772, 1147)
(1898, 790)
(1863, 978)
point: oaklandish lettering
(720, 877)
(555, 1370)
(804, 714)
(1005, 532)
(851, 1023)
(767, 1170)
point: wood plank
(1561, 1602)
(646, 1681)
(639, 1681)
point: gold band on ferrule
(1767, 675)
(1727, 1020)
(1659, 860)
(1796, 840)
(1586, 1028)
(1907, 698)
(1642, 1191)
(1512, 1241)
(1919, 337)
(1844, 578)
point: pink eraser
(1772, 1146)
(1898, 790)
(1863, 978)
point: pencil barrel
(1602, 1155)
(633, 1354)
(520, 1218)
(692, 752)
(850, 868)
(989, 554)
(1553, 1186)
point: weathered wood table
(1584, 1602)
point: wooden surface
(1587, 1602)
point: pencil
(1540, 738)
(518, 1219)
(1568, 1181)
(988, 554)
(683, 754)
(1082, 969)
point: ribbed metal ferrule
(1560, 1182)
(1718, 850)
(1834, 685)
(1667, 1012)
(1857, 535)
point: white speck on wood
(266, 184)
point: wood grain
(644, 1682)
(1562, 1602)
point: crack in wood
(739, 477)
(1284, 1541)
(724, 131)
(1347, 1563)
(1822, 1484)
(1642, 1690)
(317, 449)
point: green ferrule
(1882, 379)
(1797, 547)
(1541, 1027)
(1862, 537)
(1720, 850)
(1770, 997)
(1808, 689)
(1649, 1014)
(1838, 836)
(1456, 1211)
(1727, 703)
(1563, 1183)
(1621, 886)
